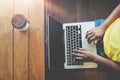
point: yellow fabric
(112, 41)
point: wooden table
(22, 53)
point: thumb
(96, 41)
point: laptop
(58, 53)
(74, 38)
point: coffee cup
(20, 22)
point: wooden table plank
(6, 40)
(21, 44)
(36, 40)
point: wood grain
(16, 48)
(6, 40)
(22, 53)
(79, 11)
(36, 40)
(88, 10)
(20, 44)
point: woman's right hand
(95, 34)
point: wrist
(95, 57)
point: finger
(96, 41)
(79, 51)
(78, 57)
(91, 39)
(76, 51)
(94, 38)
(88, 33)
(90, 36)
(82, 49)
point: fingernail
(95, 42)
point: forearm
(112, 17)
(107, 62)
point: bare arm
(86, 54)
(112, 17)
(107, 62)
(97, 33)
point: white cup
(20, 22)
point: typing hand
(84, 54)
(94, 34)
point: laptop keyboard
(74, 38)
(73, 41)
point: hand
(84, 54)
(94, 34)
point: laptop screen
(55, 44)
